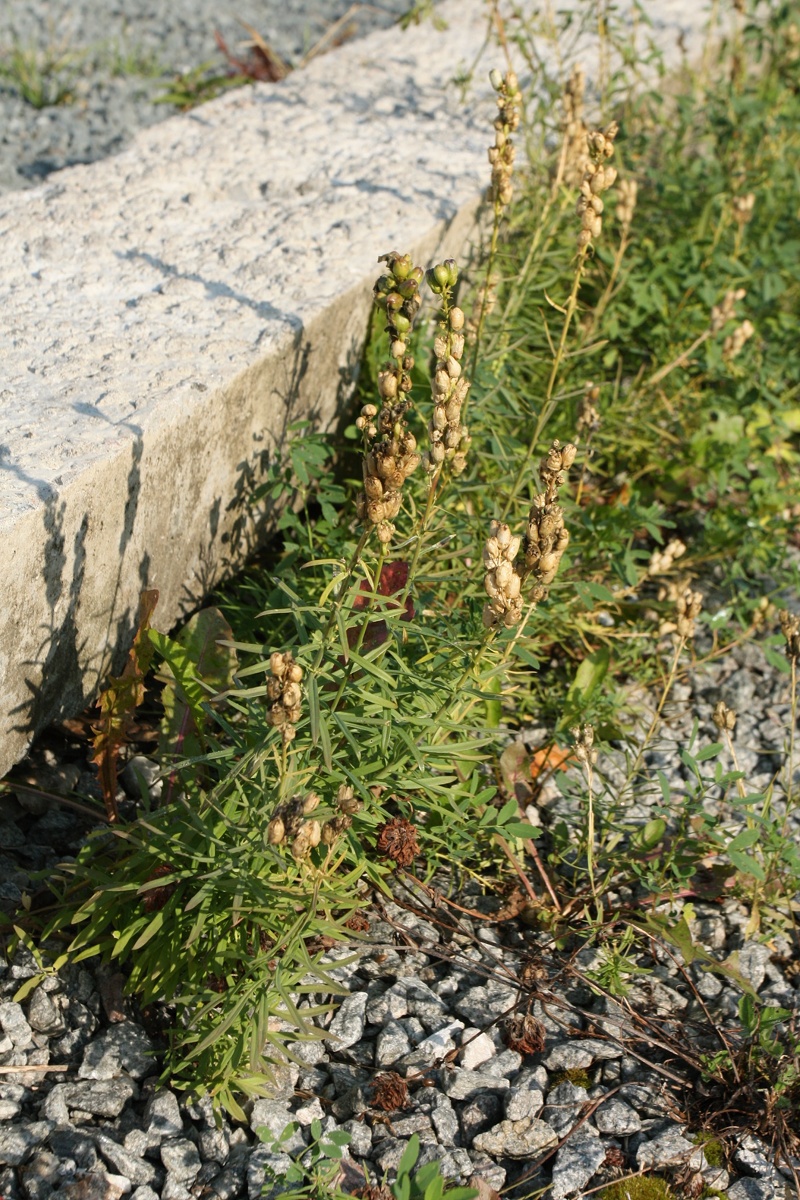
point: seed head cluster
(501, 154)
(390, 447)
(790, 628)
(283, 690)
(576, 146)
(584, 744)
(734, 343)
(589, 419)
(546, 537)
(662, 561)
(725, 311)
(743, 209)
(502, 582)
(627, 193)
(348, 806)
(597, 178)
(449, 438)
(688, 606)
(289, 823)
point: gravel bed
(430, 1010)
(113, 58)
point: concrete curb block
(167, 313)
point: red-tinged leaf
(118, 703)
(393, 579)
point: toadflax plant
(349, 745)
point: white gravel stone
(476, 1048)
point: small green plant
(41, 78)
(316, 1173)
(198, 85)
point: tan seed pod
(456, 319)
(276, 831)
(311, 802)
(277, 665)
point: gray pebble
(14, 1025)
(667, 1149)
(617, 1118)
(479, 1114)
(44, 1015)
(347, 1027)
(180, 1158)
(393, 1042)
(162, 1116)
(575, 1164)
(18, 1141)
(564, 1103)
(102, 1099)
(134, 1168)
(461, 1084)
(752, 1189)
(360, 1138)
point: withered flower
(397, 840)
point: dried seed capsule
(276, 831)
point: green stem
(549, 405)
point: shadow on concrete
(67, 679)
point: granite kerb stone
(170, 312)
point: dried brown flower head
(359, 923)
(524, 1033)
(389, 1092)
(154, 899)
(397, 840)
(615, 1158)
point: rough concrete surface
(168, 312)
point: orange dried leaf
(549, 758)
